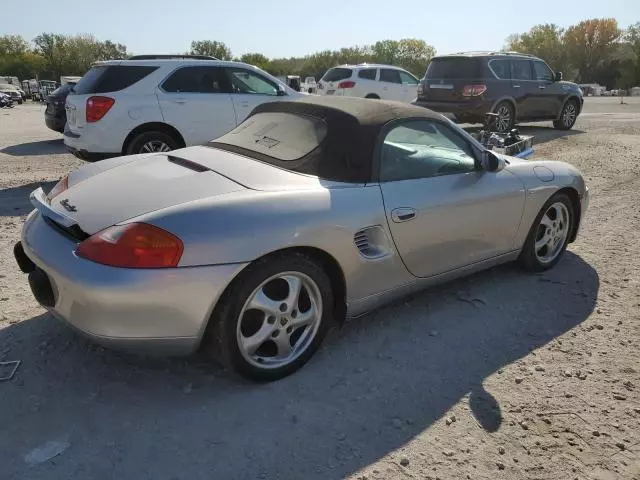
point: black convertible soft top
(333, 138)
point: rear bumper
(77, 145)
(54, 122)
(472, 110)
(159, 311)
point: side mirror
(491, 162)
(558, 77)
(281, 91)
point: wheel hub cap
(279, 320)
(552, 232)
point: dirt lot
(538, 379)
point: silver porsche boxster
(307, 213)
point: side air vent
(371, 242)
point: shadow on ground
(377, 383)
(41, 147)
(14, 201)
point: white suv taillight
(97, 107)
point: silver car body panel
(232, 210)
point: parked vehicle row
(516, 86)
(12, 91)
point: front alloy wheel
(568, 116)
(549, 235)
(552, 233)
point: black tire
(528, 258)
(507, 116)
(568, 116)
(139, 143)
(221, 339)
(373, 96)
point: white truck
(309, 85)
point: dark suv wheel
(506, 116)
(568, 116)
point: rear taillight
(97, 107)
(59, 187)
(473, 90)
(347, 84)
(136, 245)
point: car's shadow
(540, 132)
(377, 383)
(40, 147)
(14, 201)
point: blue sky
(283, 28)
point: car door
(390, 84)
(524, 88)
(196, 101)
(443, 211)
(550, 93)
(367, 83)
(250, 89)
(409, 87)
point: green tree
(546, 42)
(414, 55)
(257, 60)
(590, 45)
(212, 48)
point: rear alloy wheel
(568, 116)
(506, 117)
(549, 236)
(273, 318)
(151, 142)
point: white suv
(369, 81)
(154, 103)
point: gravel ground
(502, 375)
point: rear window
(368, 73)
(111, 78)
(62, 89)
(336, 74)
(278, 135)
(450, 68)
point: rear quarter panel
(244, 226)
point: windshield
(281, 136)
(6, 86)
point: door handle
(541, 87)
(403, 214)
(244, 104)
(516, 86)
(180, 101)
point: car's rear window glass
(451, 68)
(111, 78)
(336, 74)
(501, 68)
(368, 73)
(62, 89)
(279, 135)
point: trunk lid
(137, 187)
(446, 78)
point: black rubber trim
(24, 263)
(41, 288)
(188, 164)
(74, 233)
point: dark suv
(516, 86)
